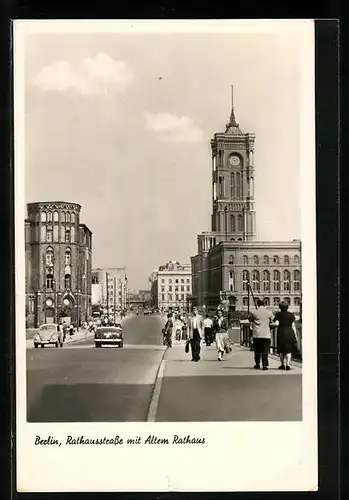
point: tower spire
(232, 126)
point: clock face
(234, 160)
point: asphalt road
(80, 383)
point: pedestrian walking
(286, 337)
(262, 320)
(196, 333)
(168, 330)
(71, 329)
(208, 330)
(220, 327)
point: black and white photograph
(166, 257)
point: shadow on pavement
(235, 398)
(91, 403)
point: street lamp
(84, 291)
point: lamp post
(78, 311)
(84, 292)
(126, 281)
(114, 300)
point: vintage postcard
(165, 256)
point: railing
(246, 338)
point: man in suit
(196, 333)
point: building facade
(58, 254)
(230, 264)
(109, 288)
(172, 286)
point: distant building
(230, 264)
(58, 256)
(171, 286)
(109, 288)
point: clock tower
(233, 182)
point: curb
(155, 397)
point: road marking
(154, 403)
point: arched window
(67, 234)
(266, 281)
(67, 281)
(231, 259)
(232, 223)
(49, 256)
(255, 260)
(72, 218)
(231, 275)
(67, 257)
(55, 216)
(276, 281)
(276, 301)
(297, 301)
(43, 216)
(67, 215)
(232, 185)
(286, 260)
(49, 216)
(49, 281)
(63, 217)
(287, 300)
(255, 281)
(266, 260)
(276, 259)
(296, 280)
(238, 185)
(240, 223)
(287, 279)
(245, 279)
(43, 233)
(245, 258)
(296, 260)
(266, 301)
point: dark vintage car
(111, 335)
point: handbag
(227, 344)
(187, 346)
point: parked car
(109, 335)
(48, 334)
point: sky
(121, 124)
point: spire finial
(232, 120)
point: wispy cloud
(90, 76)
(172, 128)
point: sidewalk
(231, 390)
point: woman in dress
(287, 343)
(220, 327)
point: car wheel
(121, 344)
(57, 344)
(36, 346)
(97, 344)
(61, 344)
(42, 345)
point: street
(82, 384)
(144, 382)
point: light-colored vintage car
(48, 334)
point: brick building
(230, 264)
(58, 258)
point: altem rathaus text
(229, 258)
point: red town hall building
(230, 262)
(58, 264)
